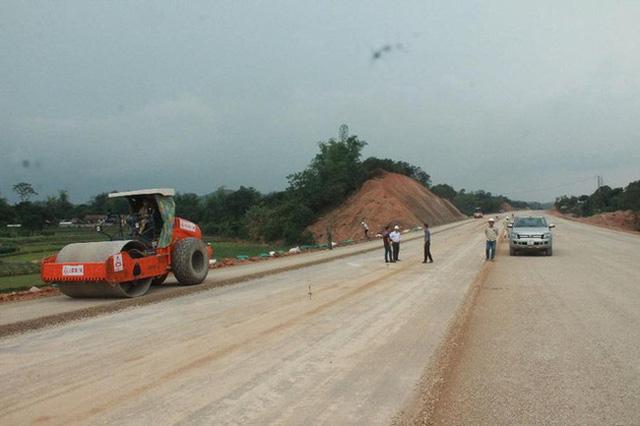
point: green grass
(20, 282)
(222, 249)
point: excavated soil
(621, 220)
(389, 199)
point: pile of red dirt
(388, 199)
(506, 207)
(625, 220)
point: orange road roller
(150, 243)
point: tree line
(335, 172)
(604, 199)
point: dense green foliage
(604, 199)
(334, 173)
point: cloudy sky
(529, 99)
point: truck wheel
(512, 251)
(550, 251)
(190, 261)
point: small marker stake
(309, 291)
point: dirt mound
(388, 199)
(620, 220)
(506, 207)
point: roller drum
(100, 252)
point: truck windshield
(530, 222)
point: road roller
(148, 244)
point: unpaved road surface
(341, 342)
(21, 311)
(554, 340)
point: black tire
(159, 280)
(512, 251)
(550, 251)
(190, 261)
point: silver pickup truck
(531, 233)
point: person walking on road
(388, 256)
(365, 227)
(491, 232)
(427, 244)
(395, 242)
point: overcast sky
(529, 99)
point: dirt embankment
(625, 220)
(506, 207)
(389, 199)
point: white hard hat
(491, 219)
(396, 227)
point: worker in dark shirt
(388, 257)
(427, 244)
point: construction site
(316, 336)
(319, 213)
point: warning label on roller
(117, 263)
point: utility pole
(600, 182)
(343, 132)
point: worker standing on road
(491, 232)
(388, 257)
(395, 242)
(427, 244)
(506, 226)
(365, 227)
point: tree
(631, 196)
(372, 165)
(33, 216)
(60, 206)
(333, 174)
(102, 204)
(7, 214)
(24, 190)
(188, 206)
(445, 191)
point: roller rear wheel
(190, 261)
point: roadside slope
(390, 198)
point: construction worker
(365, 227)
(388, 256)
(506, 225)
(491, 233)
(395, 242)
(427, 244)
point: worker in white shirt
(491, 233)
(365, 228)
(395, 242)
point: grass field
(19, 282)
(20, 270)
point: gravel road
(554, 340)
(341, 342)
(55, 309)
